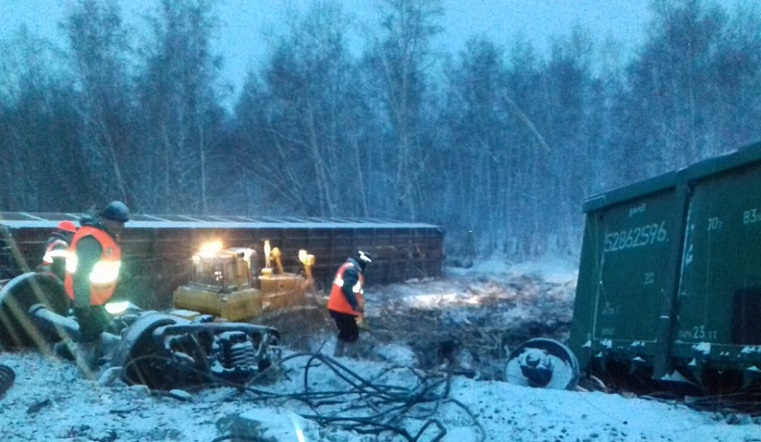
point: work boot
(352, 350)
(87, 359)
(340, 348)
(65, 349)
(362, 349)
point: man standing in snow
(346, 302)
(92, 270)
(57, 249)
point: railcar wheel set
(668, 295)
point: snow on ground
(320, 398)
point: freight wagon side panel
(719, 299)
(157, 249)
(628, 266)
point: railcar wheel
(144, 361)
(543, 363)
(17, 327)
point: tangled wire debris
(399, 401)
(368, 406)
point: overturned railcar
(669, 284)
(157, 249)
(669, 287)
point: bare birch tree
(180, 105)
(100, 63)
(399, 63)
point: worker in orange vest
(57, 249)
(92, 270)
(346, 303)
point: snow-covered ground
(386, 396)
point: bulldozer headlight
(210, 249)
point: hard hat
(67, 226)
(363, 258)
(115, 211)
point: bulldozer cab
(225, 271)
(229, 284)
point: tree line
(498, 145)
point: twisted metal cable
(370, 408)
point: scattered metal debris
(7, 376)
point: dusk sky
(248, 26)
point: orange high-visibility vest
(337, 301)
(105, 272)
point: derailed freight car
(669, 285)
(157, 249)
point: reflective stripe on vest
(104, 273)
(56, 249)
(337, 301)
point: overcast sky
(246, 24)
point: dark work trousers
(92, 322)
(347, 326)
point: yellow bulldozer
(227, 283)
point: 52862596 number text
(635, 237)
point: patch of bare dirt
(468, 321)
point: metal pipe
(53, 323)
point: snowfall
(386, 394)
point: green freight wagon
(669, 285)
